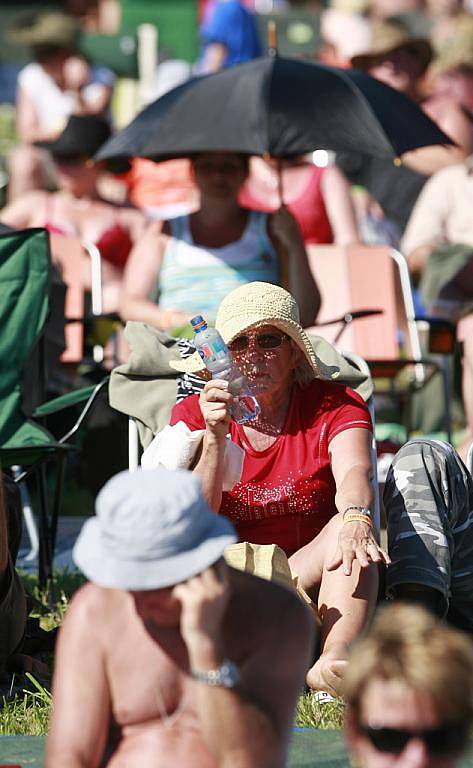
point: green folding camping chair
(25, 280)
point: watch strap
(227, 675)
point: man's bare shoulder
(92, 603)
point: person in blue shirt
(229, 37)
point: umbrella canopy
(278, 106)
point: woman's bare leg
(345, 603)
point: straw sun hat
(389, 37)
(255, 304)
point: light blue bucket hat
(152, 529)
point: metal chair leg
(30, 523)
(45, 557)
(60, 473)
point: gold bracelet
(355, 517)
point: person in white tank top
(191, 263)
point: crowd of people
(219, 586)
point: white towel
(175, 447)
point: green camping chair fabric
(24, 288)
(25, 272)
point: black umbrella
(278, 106)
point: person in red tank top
(318, 198)
(305, 483)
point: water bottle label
(212, 352)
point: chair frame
(423, 368)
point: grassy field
(26, 706)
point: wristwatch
(226, 676)
(359, 509)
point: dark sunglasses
(446, 740)
(263, 340)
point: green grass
(27, 709)
(27, 713)
(324, 716)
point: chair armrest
(64, 401)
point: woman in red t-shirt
(305, 483)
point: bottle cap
(198, 323)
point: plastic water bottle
(218, 360)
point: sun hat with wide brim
(255, 304)
(389, 37)
(45, 29)
(152, 529)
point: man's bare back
(124, 677)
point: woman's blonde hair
(408, 645)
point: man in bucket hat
(168, 656)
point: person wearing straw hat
(169, 656)
(305, 484)
(399, 60)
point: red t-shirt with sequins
(287, 492)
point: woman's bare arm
(286, 238)
(352, 468)
(454, 122)
(141, 277)
(214, 402)
(339, 206)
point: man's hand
(357, 542)
(284, 228)
(204, 600)
(215, 401)
(327, 674)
